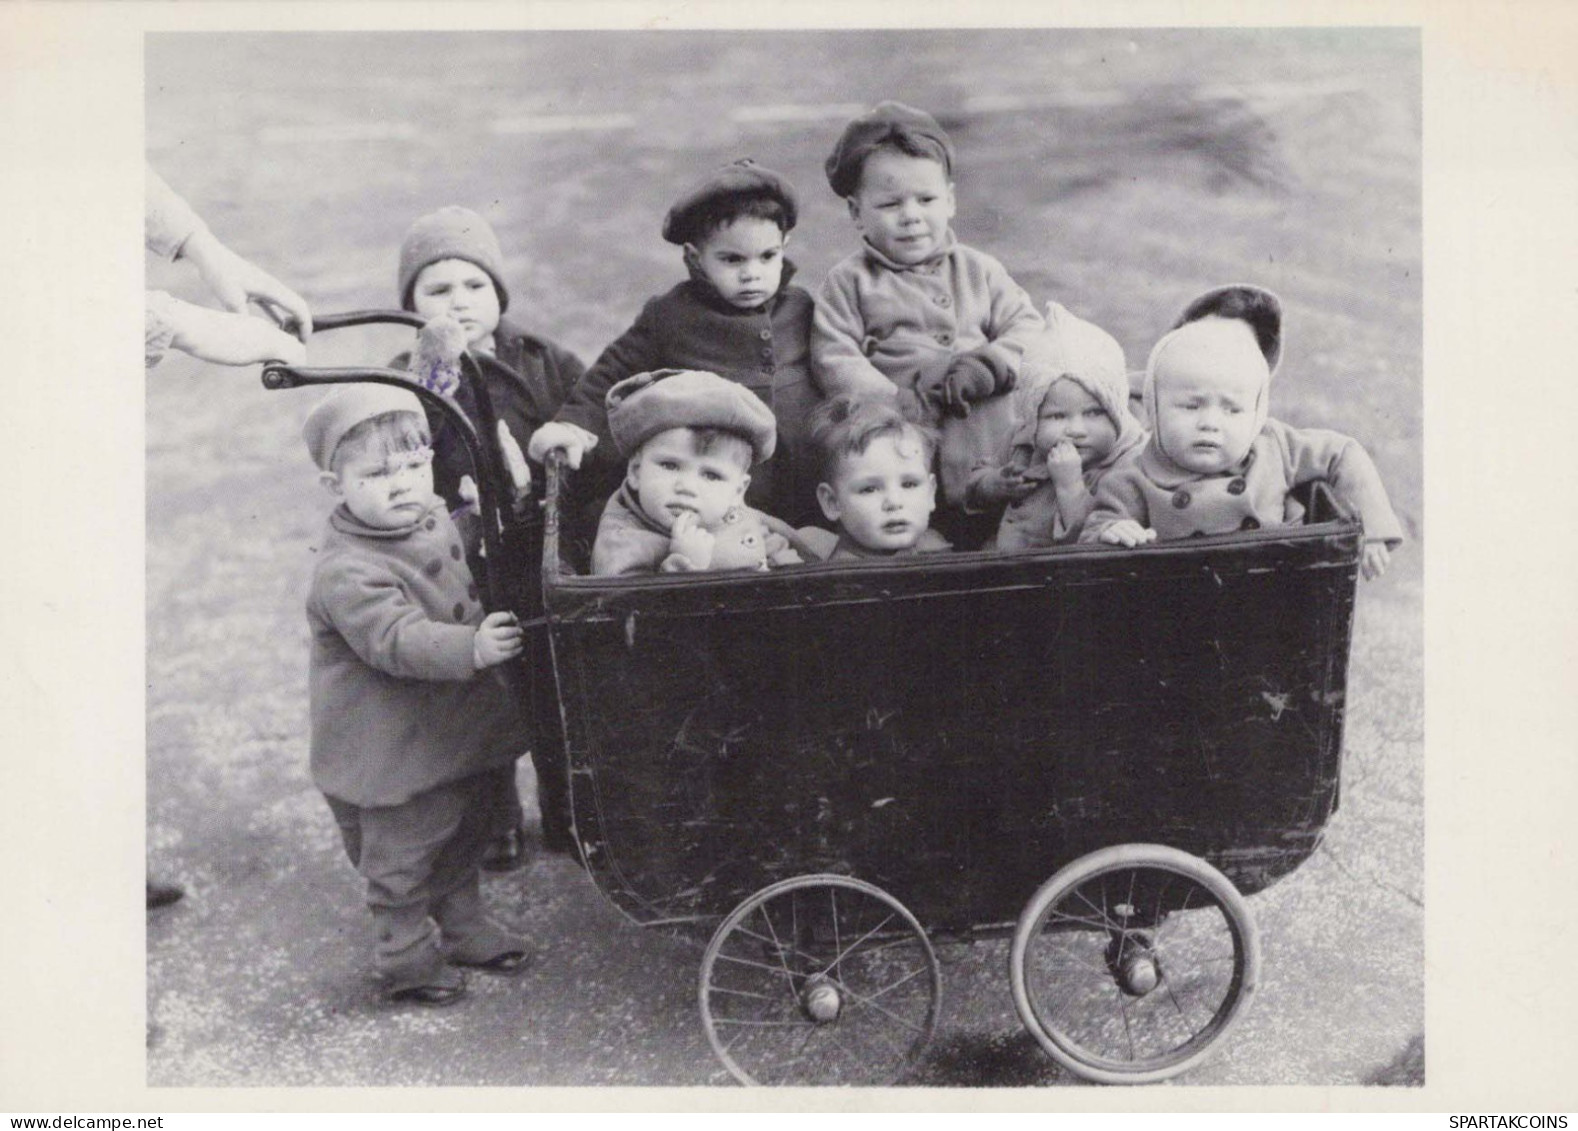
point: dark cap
(740, 178)
(884, 124)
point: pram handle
(350, 318)
(491, 491)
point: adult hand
(498, 638)
(692, 541)
(235, 282)
(1127, 532)
(230, 339)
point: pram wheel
(1130, 964)
(819, 980)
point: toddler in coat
(690, 439)
(1215, 462)
(737, 316)
(1074, 424)
(877, 487)
(914, 314)
(451, 272)
(413, 742)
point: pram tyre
(1132, 963)
(819, 980)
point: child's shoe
(493, 950)
(444, 986)
(507, 853)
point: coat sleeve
(623, 547)
(1118, 496)
(1014, 320)
(1318, 453)
(168, 221)
(387, 628)
(638, 350)
(838, 329)
(562, 371)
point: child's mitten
(436, 362)
(972, 377)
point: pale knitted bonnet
(1080, 351)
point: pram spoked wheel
(819, 979)
(1131, 964)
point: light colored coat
(1152, 490)
(630, 542)
(397, 705)
(879, 323)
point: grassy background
(1119, 173)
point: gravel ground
(1118, 173)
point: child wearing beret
(1215, 462)
(914, 313)
(413, 743)
(689, 439)
(1073, 425)
(737, 316)
(451, 266)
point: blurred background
(1117, 172)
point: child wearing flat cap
(413, 744)
(689, 439)
(914, 313)
(736, 316)
(1215, 462)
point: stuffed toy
(436, 362)
(748, 539)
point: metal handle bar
(368, 318)
(490, 491)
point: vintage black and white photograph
(785, 557)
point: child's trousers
(421, 862)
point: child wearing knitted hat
(914, 313)
(689, 439)
(877, 486)
(451, 272)
(1215, 462)
(737, 316)
(413, 745)
(1074, 424)
(451, 265)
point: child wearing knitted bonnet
(1074, 424)
(1215, 461)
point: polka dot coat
(397, 706)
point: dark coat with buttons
(1149, 488)
(527, 379)
(691, 327)
(397, 706)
